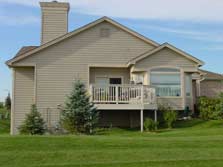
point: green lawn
(193, 144)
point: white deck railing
(122, 94)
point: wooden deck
(123, 97)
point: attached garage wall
(23, 96)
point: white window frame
(108, 78)
(181, 72)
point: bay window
(167, 81)
(188, 85)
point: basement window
(104, 32)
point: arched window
(167, 81)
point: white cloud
(19, 20)
(210, 36)
(193, 10)
(179, 31)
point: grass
(193, 144)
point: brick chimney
(54, 20)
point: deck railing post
(142, 94)
(116, 94)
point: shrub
(79, 114)
(210, 108)
(150, 125)
(33, 123)
(169, 115)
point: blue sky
(196, 29)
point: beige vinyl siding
(54, 23)
(23, 95)
(166, 57)
(175, 102)
(110, 72)
(59, 65)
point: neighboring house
(211, 84)
(125, 72)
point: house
(211, 84)
(127, 74)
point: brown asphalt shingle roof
(24, 49)
(211, 75)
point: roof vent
(104, 32)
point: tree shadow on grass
(117, 130)
(189, 123)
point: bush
(169, 115)
(210, 108)
(150, 125)
(79, 114)
(33, 124)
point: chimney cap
(55, 4)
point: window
(167, 81)
(115, 80)
(101, 80)
(137, 78)
(108, 80)
(104, 32)
(188, 84)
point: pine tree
(8, 102)
(33, 124)
(79, 114)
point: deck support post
(141, 120)
(155, 115)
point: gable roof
(165, 45)
(24, 50)
(208, 75)
(77, 31)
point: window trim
(181, 72)
(191, 85)
(108, 77)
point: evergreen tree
(8, 102)
(79, 114)
(1, 105)
(33, 124)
